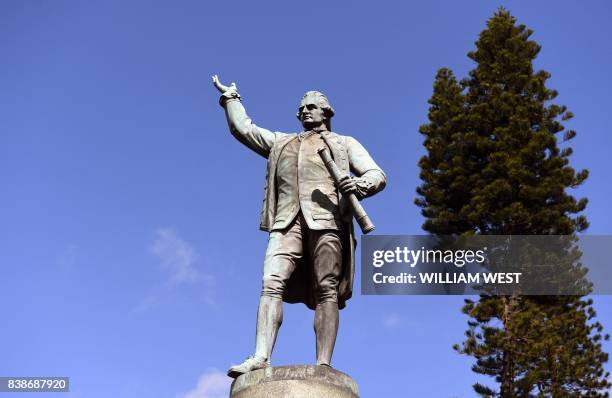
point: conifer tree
(494, 165)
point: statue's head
(315, 110)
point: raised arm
(240, 125)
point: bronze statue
(311, 248)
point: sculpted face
(310, 112)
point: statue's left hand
(221, 87)
(347, 185)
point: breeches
(299, 246)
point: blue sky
(129, 243)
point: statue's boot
(269, 320)
(250, 364)
(326, 330)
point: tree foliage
(497, 163)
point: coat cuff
(364, 188)
(229, 95)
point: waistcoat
(304, 183)
(322, 205)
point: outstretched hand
(222, 88)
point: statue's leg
(282, 256)
(269, 320)
(326, 252)
(326, 330)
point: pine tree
(494, 165)
(446, 169)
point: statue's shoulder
(283, 138)
(333, 134)
(286, 136)
(342, 139)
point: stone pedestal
(296, 381)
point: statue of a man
(311, 247)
